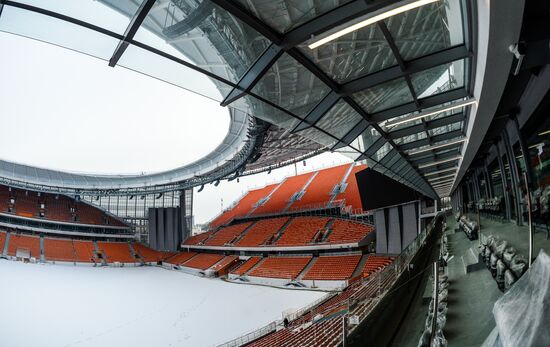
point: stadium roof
(398, 93)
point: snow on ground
(60, 305)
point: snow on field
(57, 305)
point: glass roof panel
(439, 79)
(283, 15)
(290, 85)
(446, 128)
(410, 138)
(93, 12)
(383, 96)
(356, 54)
(138, 59)
(58, 32)
(317, 136)
(389, 157)
(387, 124)
(368, 137)
(381, 153)
(436, 144)
(265, 111)
(203, 34)
(349, 152)
(427, 29)
(340, 119)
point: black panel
(378, 191)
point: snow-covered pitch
(57, 305)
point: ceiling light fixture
(412, 152)
(432, 113)
(386, 14)
(440, 162)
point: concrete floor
(471, 295)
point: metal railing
(383, 280)
(251, 336)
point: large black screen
(378, 191)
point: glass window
(381, 153)
(496, 179)
(368, 138)
(539, 157)
(427, 29)
(510, 191)
(114, 17)
(446, 128)
(340, 119)
(154, 65)
(384, 96)
(57, 32)
(283, 15)
(204, 34)
(290, 85)
(410, 138)
(318, 136)
(438, 79)
(349, 152)
(265, 111)
(356, 54)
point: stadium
(274, 173)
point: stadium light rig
(409, 5)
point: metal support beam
(410, 67)
(243, 15)
(254, 73)
(131, 30)
(503, 180)
(514, 175)
(430, 101)
(435, 139)
(327, 21)
(524, 150)
(356, 131)
(435, 158)
(429, 125)
(318, 111)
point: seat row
(81, 251)
(53, 207)
(324, 267)
(321, 325)
(285, 231)
(305, 191)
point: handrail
(251, 336)
(294, 315)
(392, 272)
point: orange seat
(59, 249)
(281, 267)
(249, 264)
(261, 232)
(31, 243)
(203, 261)
(339, 267)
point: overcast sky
(65, 110)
